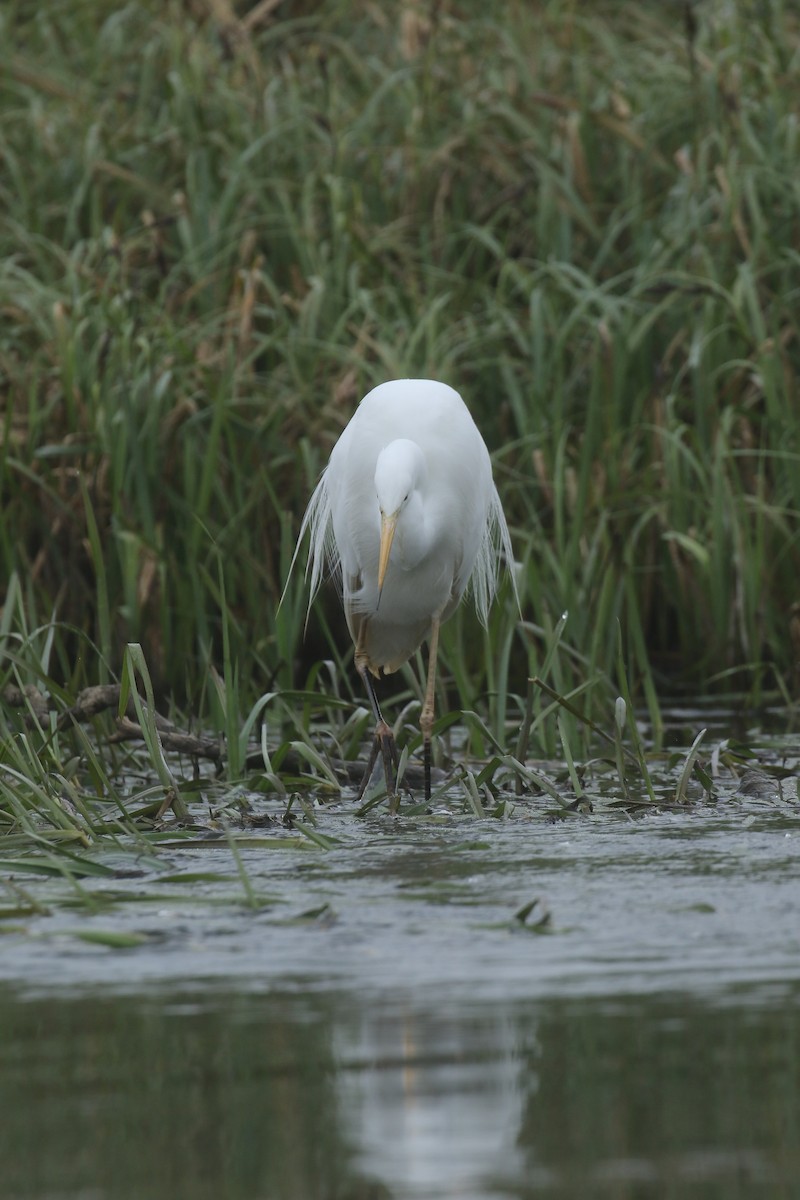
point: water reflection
(342, 1096)
(435, 1103)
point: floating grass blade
(470, 787)
(322, 840)
(311, 755)
(681, 789)
(249, 891)
(543, 920)
(537, 779)
(113, 939)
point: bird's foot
(384, 744)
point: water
(288, 1094)
(323, 1095)
(389, 1027)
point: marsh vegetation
(220, 226)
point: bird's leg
(383, 741)
(426, 716)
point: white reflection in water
(433, 1108)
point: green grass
(216, 235)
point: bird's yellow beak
(388, 527)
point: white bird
(406, 515)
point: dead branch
(171, 739)
(93, 700)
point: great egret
(406, 515)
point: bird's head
(399, 473)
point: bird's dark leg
(426, 716)
(383, 742)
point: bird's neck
(415, 533)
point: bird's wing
(495, 544)
(322, 547)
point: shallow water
(294, 1093)
(696, 899)
(433, 1006)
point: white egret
(406, 515)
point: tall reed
(218, 231)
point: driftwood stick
(88, 703)
(93, 700)
(171, 739)
(27, 697)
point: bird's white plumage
(413, 453)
